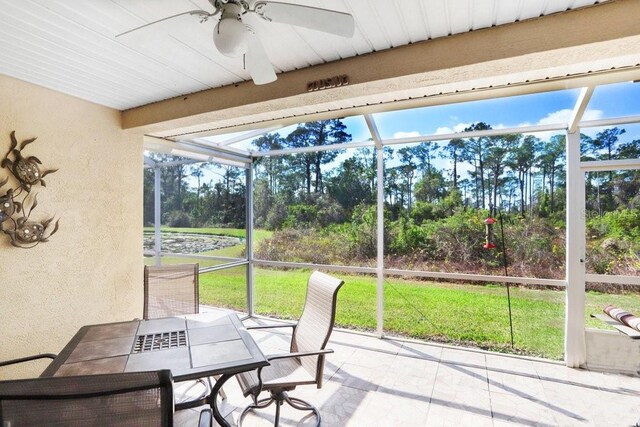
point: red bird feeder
(488, 224)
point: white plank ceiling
(70, 45)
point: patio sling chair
(127, 400)
(304, 364)
(170, 290)
(173, 290)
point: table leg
(213, 400)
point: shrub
(424, 211)
(362, 232)
(178, 218)
(621, 224)
(276, 216)
(315, 212)
(309, 246)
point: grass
(458, 314)
(453, 313)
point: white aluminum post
(574, 339)
(380, 241)
(249, 239)
(156, 213)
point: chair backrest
(170, 290)
(316, 323)
(129, 399)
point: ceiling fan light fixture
(231, 37)
(234, 39)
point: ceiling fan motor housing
(234, 39)
(230, 34)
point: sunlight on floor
(373, 382)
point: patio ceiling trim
(206, 144)
(313, 149)
(474, 134)
(503, 56)
(170, 163)
(195, 152)
(254, 134)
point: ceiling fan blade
(258, 63)
(190, 15)
(328, 21)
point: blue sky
(501, 112)
(542, 108)
(614, 100)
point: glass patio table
(192, 346)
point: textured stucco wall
(91, 270)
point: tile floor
(373, 382)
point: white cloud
(593, 115)
(402, 134)
(555, 117)
(443, 130)
(457, 128)
(559, 117)
(564, 115)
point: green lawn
(458, 314)
(452, 313)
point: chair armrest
(28, 358)
(298, 354)
(284, 325)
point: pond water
(187, 243)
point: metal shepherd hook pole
(489, 244)
(506, 272)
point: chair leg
(223, 395)
(279, 398)
(276, 423)
(303, 405)
(259, 404)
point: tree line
(516, 173)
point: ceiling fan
(233, 38)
